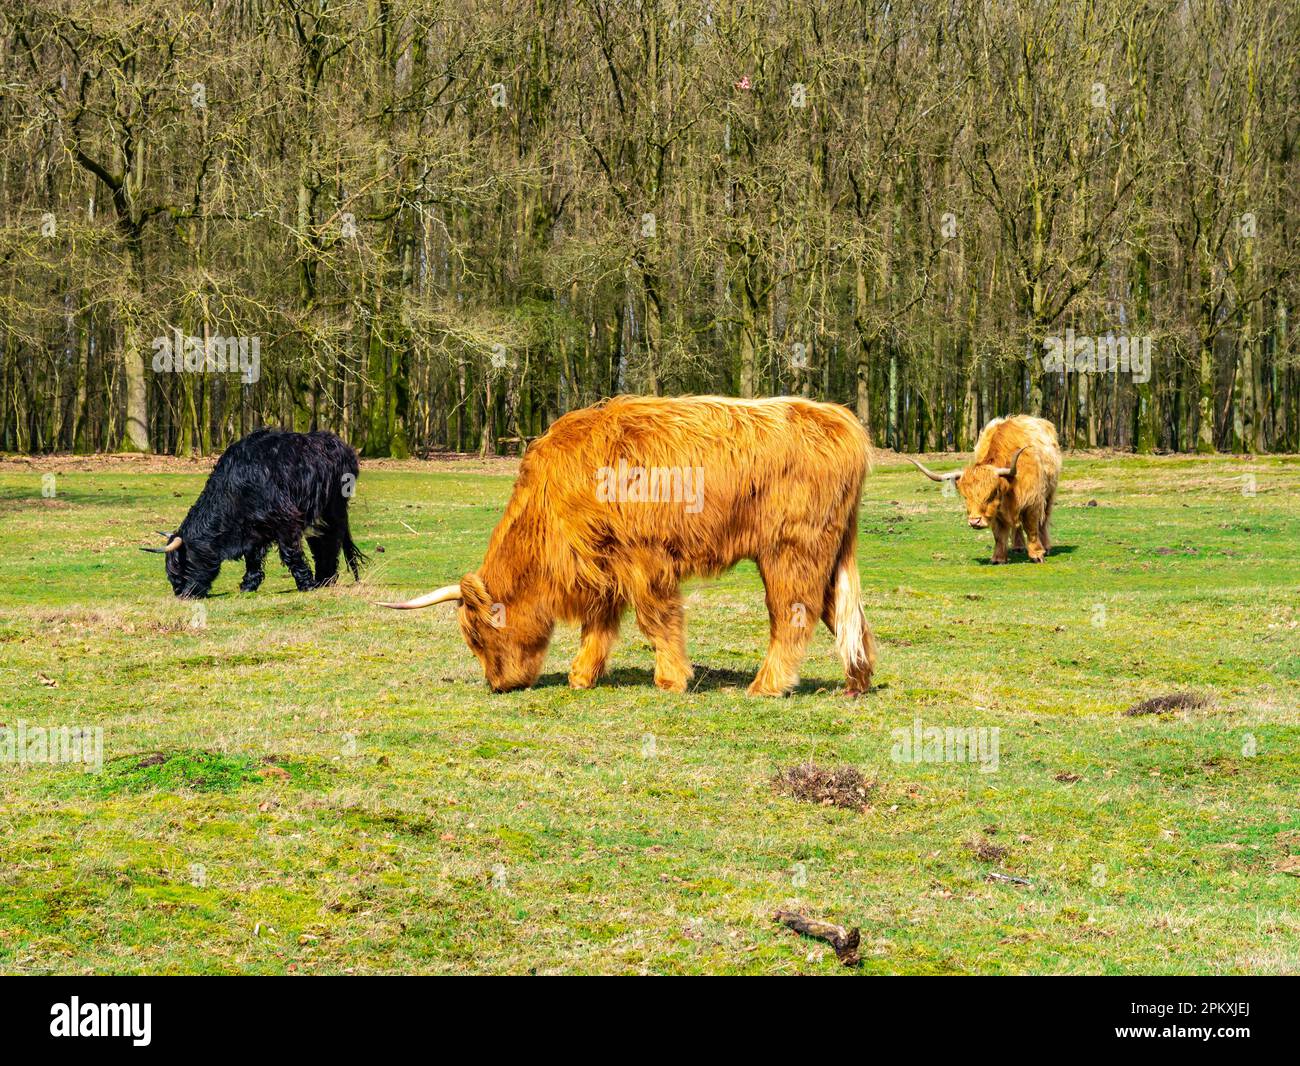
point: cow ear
(474, 593)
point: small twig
(844, 941)
(408, 527)
(1007, 879)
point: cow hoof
(671, 684)
(1035, 558)
(755, 689)
(583, 679)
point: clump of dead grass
(842, 787)
(985, 850)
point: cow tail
(355, 556)
(853, 638)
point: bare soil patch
(1175, 701)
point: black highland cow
(269, 488)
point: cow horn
(1009, 472)
(172, 545)
(952, 475)
(448, 593)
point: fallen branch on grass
(844, 941)
(1007, 879)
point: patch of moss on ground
(187, 770)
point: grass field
(306, 783)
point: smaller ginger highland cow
(1010, 483)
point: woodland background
(450, 222)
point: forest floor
(306, 783)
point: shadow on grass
(1016, 556)
(707, 679)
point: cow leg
(660, 617)
(651, 578)
(1019, 543)
(795, 587)
(598, 636)
(325, 556)
(1042, 526)
(253, 569)
(1031, 519)
(1000, 531)
(296, 563)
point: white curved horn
(951, 475)
(446, 594)
(172, 545)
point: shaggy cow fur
(1010, 483)
(781, 480)
(269, 488)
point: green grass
(307, 782)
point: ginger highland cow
(1010, 483)
(618, 503)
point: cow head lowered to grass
(269, 488)
(1010, 483)
(618, 503)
